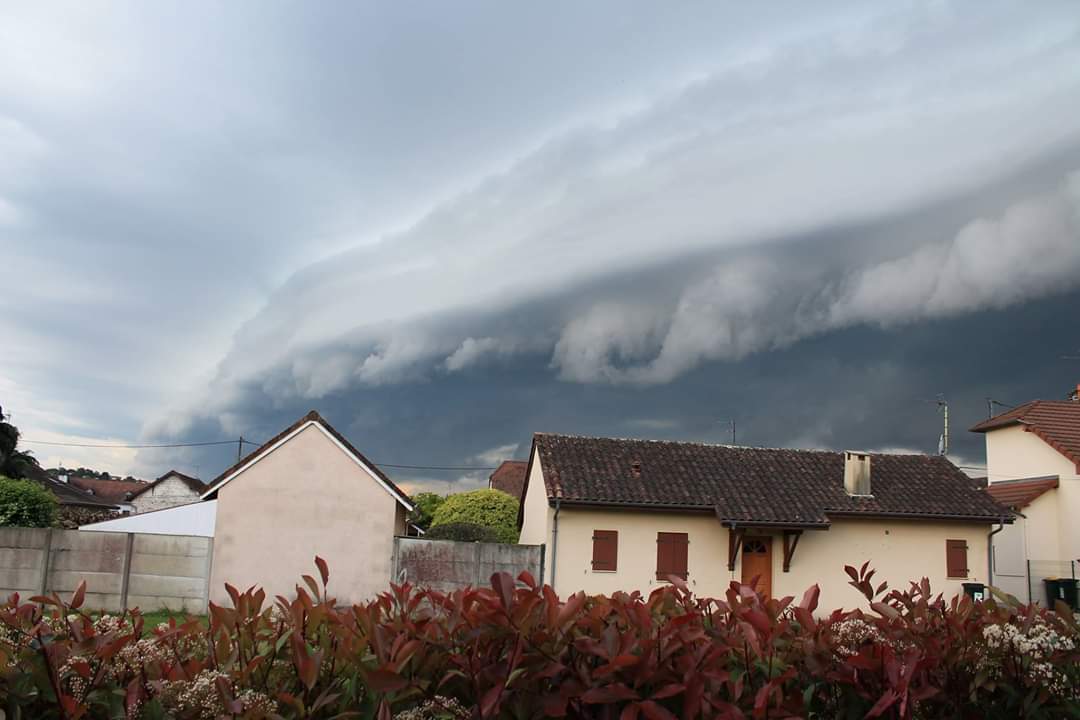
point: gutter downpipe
(990, 552)
(555, 539)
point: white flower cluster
(851, 634)
(438, 708)
(1033, 650)
(199, 698)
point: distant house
(621, 514)
(114, 490)
(171, 489)
(509, 477)
(1033, 466)
(77, 506)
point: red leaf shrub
(517, 651)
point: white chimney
(857, 472)
(62, 478)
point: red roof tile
(1017, 494)
(754, 485)
(509, 477)
(109, 490)
(1057, 422)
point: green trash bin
(975, 591)
(1063, 589)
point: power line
(104, 445)
(246, 442)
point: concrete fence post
(46, 551)
(125, 578)
(209, 570)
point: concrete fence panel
(446, 565)
(152, 572)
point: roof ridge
(698, 443)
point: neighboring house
(77, 506)
(509, 477)
(1033, 466)
(626, 514)
(115, 491)
(306, 492)
(171, 489)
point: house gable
(315, 421)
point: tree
(424, 506)
(13, 463)
(24, 503)
(492, 509)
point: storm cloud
(447, 229)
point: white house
(171, 489)
(1033, 467)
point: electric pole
(240, 449)
(943, 405)
(732, 424)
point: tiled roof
(509, 477)
(1019, 494)
(66, 494)
(313, 416)
(194, 484)
(110, 490)
(754, 485)
(1057, 422)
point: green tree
(492, 509)
(424, 506)
(464, 532)
(24, 503)
(14, 463)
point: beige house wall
(305, 498)
(169, 493)
(536, 525)
(1051, 532)
(900, 551)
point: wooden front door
(757, 564)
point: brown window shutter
(956, 558)
(605, 550)
(671, 555)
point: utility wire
(102, 445)
(246, 442)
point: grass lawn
(152, 619)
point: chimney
(1075, 394)
(635, 468)
(857, 473)
(62, 478)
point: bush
(25, 503)
(464, 532)
(517, 651)
(488, 508)
(424, 506)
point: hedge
(489, 508)
(25, 503)
(465, 532)
(517, 651)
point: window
(671, 549)
(605, 550)
(956, 558)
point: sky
(447, 226)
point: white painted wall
(169, 492)
(196, 519)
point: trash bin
(975, 591)
(1063, 589)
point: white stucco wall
(900, 551)
(307, 497)
(1052, 530)
(170, 492)
(195, 519)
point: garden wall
(446, 565)
(152, 572)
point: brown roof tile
(109, 490)
(509, 477)
(753, 485)
(1057, 422)
(1018, 494)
